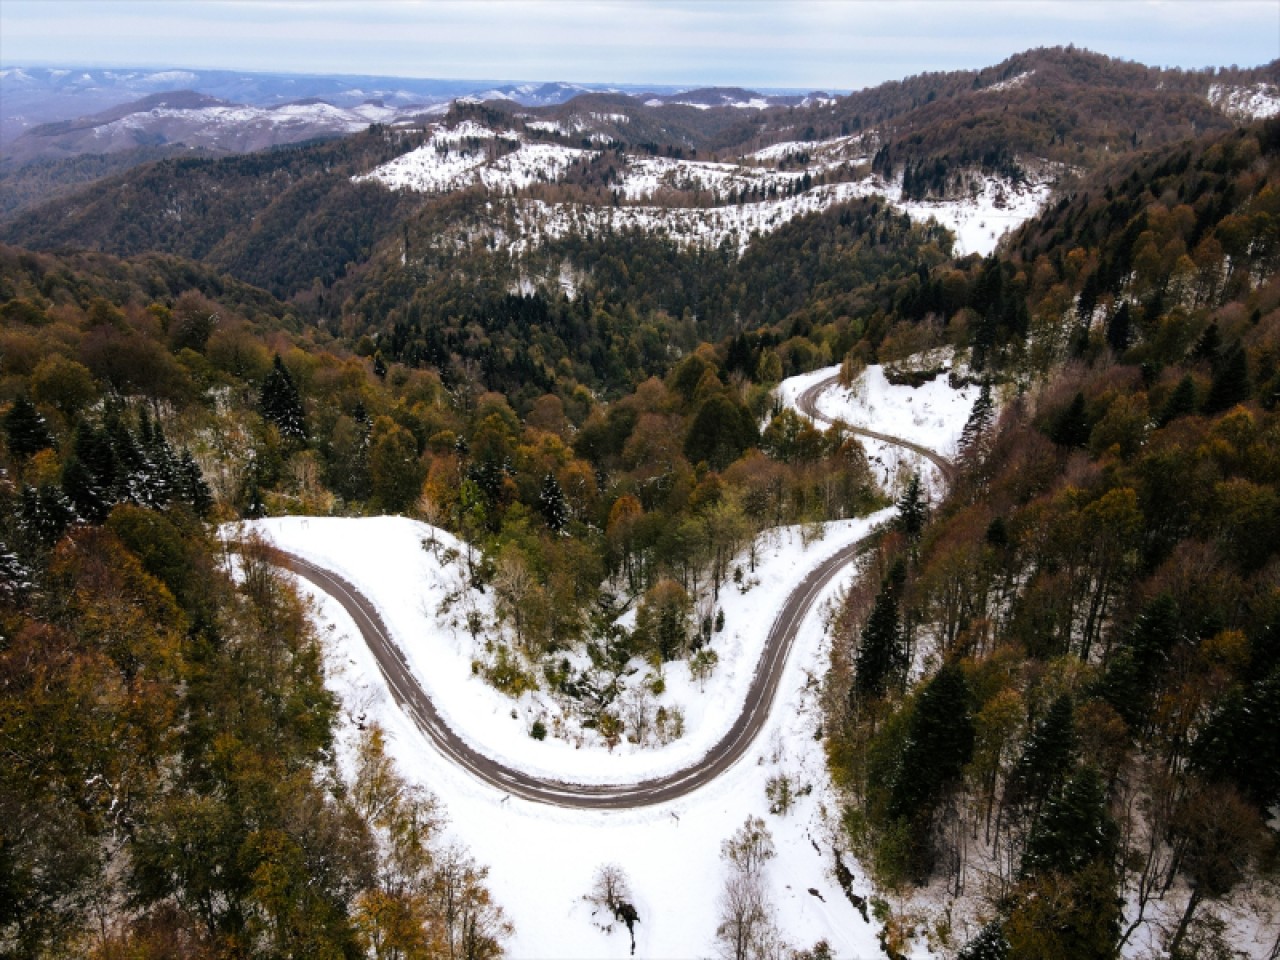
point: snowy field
(541, 857)
(932, 415)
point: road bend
(413, 700)
(807, 402)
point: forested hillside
(1051, 706)
(1067, 681)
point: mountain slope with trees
(1089, 614)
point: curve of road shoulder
(410, 697)
(807, 402)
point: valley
(486, 518)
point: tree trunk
(1192, 902)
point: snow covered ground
(454, 160)
(235, 119)
(1246, 103)
(982, 219)
(384, 557)
(542, 858)
(932, 415)
(537, 221)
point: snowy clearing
(980, 220)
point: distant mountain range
(52, 113)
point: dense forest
(1067, 679)
(1053, 695)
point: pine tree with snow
(44, 515)
(989, 944)
(191, 486)
(254, 507)
(280, 404)
(15, 576)
(974, 439)
(92, 474)
(26, 429)
(156, 478)
(1074, 828)
(552, 505)
(912, 511)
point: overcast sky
(810, 44)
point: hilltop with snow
(693, 202)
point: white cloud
(803, 43)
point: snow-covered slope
(996, 207)
(1246, 103)
(198, 121)
(932, 415)
(536, 221)
(542, 858)
(700, 203)
(385, 557)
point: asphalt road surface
(755, 712)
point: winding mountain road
(411, 698)
(807, 402)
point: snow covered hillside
(386, 559)
(542, 858)
(702, 203)
(932, 415)
(1255, 102)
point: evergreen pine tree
(45, 515)
(1134, 670)
(254, 507)
(977, 429)
(26, 429)
(1209, 344)
(912, 511)
(157, 473)
(989, 944)
(15, 576)
(1181, 402)
(939, 743)
(191, 486)
(1046, 755)
(1071, 427)
(1119, 329)
(1240, 742)
(92, 475)
(1074, 829)
(280, 403)
(881, 659)
(1231, 382)
(551, 504)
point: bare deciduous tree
(746, 928)
(610, 890)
